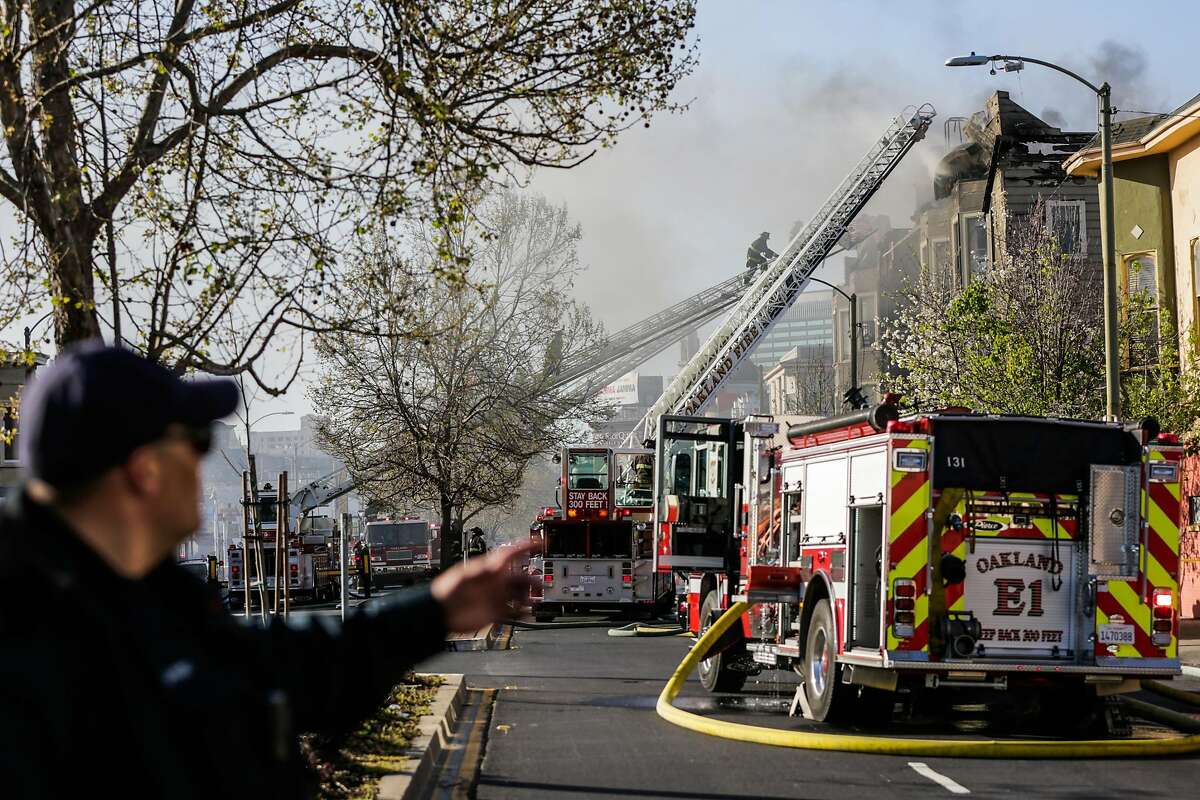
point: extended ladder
(778, 285)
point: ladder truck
(311, 550)
(752, 315)
(597, 551)
(921, 552)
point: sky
(789, 95)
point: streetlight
(852, 395)
(250, 425)
(1108, 241)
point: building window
(1196, 275)
(842, 339)
(1139, 280)
(1194, 510)
(941, 256)
(1067, 219)
(868, 321)
(974, 247)
(8, 442)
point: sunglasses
(200, 437)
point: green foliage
(1027, 338)
(1024, 338)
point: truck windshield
(587, 470)
(634, 479)
(397, 534)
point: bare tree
(187, 175)
(452, 419)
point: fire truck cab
(597, 551)
(937, 550)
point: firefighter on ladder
(758, 255)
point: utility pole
(1112, 374)
(1112, 370)
(343, 554)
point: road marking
(949, 784)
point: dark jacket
(149, 688)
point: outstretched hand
(479, 591)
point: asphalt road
(574, 717)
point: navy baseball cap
(90, 408)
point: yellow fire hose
(886, 745)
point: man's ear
(144, 471)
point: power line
(1155, 113)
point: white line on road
(951, 785)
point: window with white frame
(868, 320)
(1067, 219)
(1195, 249)
(976, 256)
(842, 334)
(1140, 281)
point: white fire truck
(597, 553)
(926, 551)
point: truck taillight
(295, 568)
(235, 570)
(626, 579)
(547, 579)
(904, 601)
(1163, 604)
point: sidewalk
(1189, 642)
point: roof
(1137, 137)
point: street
(574, 717)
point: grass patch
(350, 768)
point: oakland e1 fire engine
(597, 552)
(932, 550)
(401, 549)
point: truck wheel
(822, 678)
(715, 674)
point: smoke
(1125, 68)
(671, 210)
(1052, 116)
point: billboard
(623, 391)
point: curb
(1190, 671)
(483, 641)
(436, 730)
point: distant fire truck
(926, 551)
(309, 557)
(401, 550)
(597, 551)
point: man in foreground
(120, 671)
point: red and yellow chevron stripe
(1158, 568)
(910, 501)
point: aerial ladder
(777, 286)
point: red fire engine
(401, 550)
(937, 550)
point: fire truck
(309, 557)
(925, 551)
(401, 550)
(597, 551)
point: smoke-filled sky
(789, 95)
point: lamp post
(852, 393)
(250, 425)
(1112, 388)
(29, 342)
